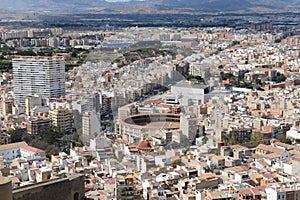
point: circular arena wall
(153, 121)
(135, 127)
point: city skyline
(160, 100)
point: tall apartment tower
(40, 75)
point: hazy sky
(122, 0)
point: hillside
(200, 5)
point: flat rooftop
(190, 84)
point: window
(76, 196)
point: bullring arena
(134, 127)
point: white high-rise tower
(44, 76)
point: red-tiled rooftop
(269, 175)
(181, 171)
(208, 176)
(154, 102)
(12, 146)
(253, 191)
(32, 149)
(110, 181)
(237, 168)
(144, 144)
(203, 164)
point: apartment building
(44, 76)
(62, 118)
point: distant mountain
(209, 5)
(201, 5)
(233, 5)
(50, 4)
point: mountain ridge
(200, 5)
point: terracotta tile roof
(264, 163)
(12, 146)
(246, 192)
(271, 155)
(207, 176)
(110, 181)
(203, 164)
(156, 101)
(181, 171)
(244, 168)
(270, 148)
(175, 158)
(32, 149)
(250, 192)
(269, 175)
(144, 144)
(237, 168)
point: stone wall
(69, 188)
(5, 188)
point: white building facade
(44, 76)
(91, 126)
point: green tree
(279, 77)
(226, 76)
(5, 65)
(16, 135)
(256, 136)
(282, 138)
(27, 53)
(74, 54)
